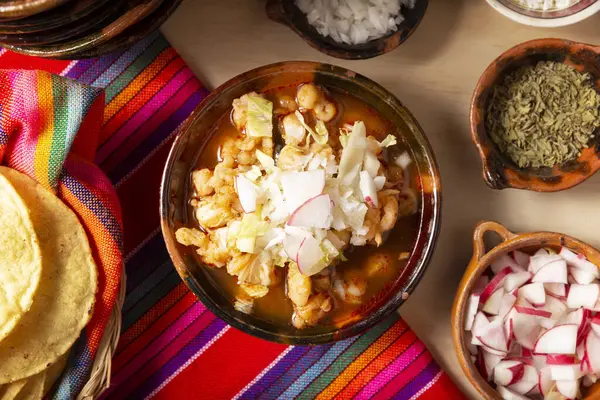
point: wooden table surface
(433, 74)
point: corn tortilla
(20, 259)
(33, 389)
(65, 298)
(11, 390)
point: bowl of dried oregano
(535, 116)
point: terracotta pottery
(479, 264)
(25, 8)
(197, 131)
(286, 12)
(130, 13)
(499, 171)
(552, 17)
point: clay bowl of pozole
(301, 203)
(544, 73)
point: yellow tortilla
(65, 298)
(33, 389)
(11, 390)
(20, 259)
(54, 372)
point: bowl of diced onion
(526, 319)
(350, 29)
(546, 13)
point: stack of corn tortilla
(48, 282)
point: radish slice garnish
(567, 372)
(561, 339)
(516, 280)
(508, 372)
(528, 381)
(558, 290)
(521, 258)
(492, 337)
(310, 256)
(569, 389)
(592, 350)
(505, 261)
(471, 311)
(553, 272)
(533, 311)
(494, 284)
(538, 262)
(534, 293)
(583, 295)
(314, 213)
(508, 394)
(493, 303)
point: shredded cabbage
(259, 117)
(265, 161)
(253, 174)
(250, 227)
(321, 136)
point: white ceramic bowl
(552, 18)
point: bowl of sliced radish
(526, 320)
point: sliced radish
(569, 372)
(508, 394)
(545, 380)
(525, 329)
(493, 303)
(480, 284)
(371, 164)
(529, 380)
(557, 290)
(533, 311)
(592, 350)
(534, 293)
(521, 258)
(247, 193)
(505, 261)
(560, 359)
(508, 301)
(492, 337)
(480, 364)
(569, 389)
(494, 284)
(580, 276)
(368, 190)
(298, 187)
(561, 339)
(538, 262)
(516, 280)
(558, 310)
(579, 261)
(583, 295)
(595, 324)
(539, 361)
(473, 349)
(471, 311)
(310, 256)
(508, 372)
(554, 272)
(314, 213)
(490, 361)
(291, 244)
(541, 252)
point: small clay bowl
(480, 262)
(287, 13)
(501, 172)
(197, 131)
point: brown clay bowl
(131, 12)
(479, 264)
(197, 131)
(286, 12)
(499, 171)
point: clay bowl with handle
(287, 13)
(479, 264)
(499, 171)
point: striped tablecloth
(171, 346)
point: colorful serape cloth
(171, 346)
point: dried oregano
(544, 115)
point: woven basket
(101, 369)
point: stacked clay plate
(78, 28)
(48, 282)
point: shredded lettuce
(260, 117)
(390, 140)
(353, 155)
(321, 136)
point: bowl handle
(480, 230)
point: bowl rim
(395, 299)
(491, 171)
(478, 265)
(545, 22)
